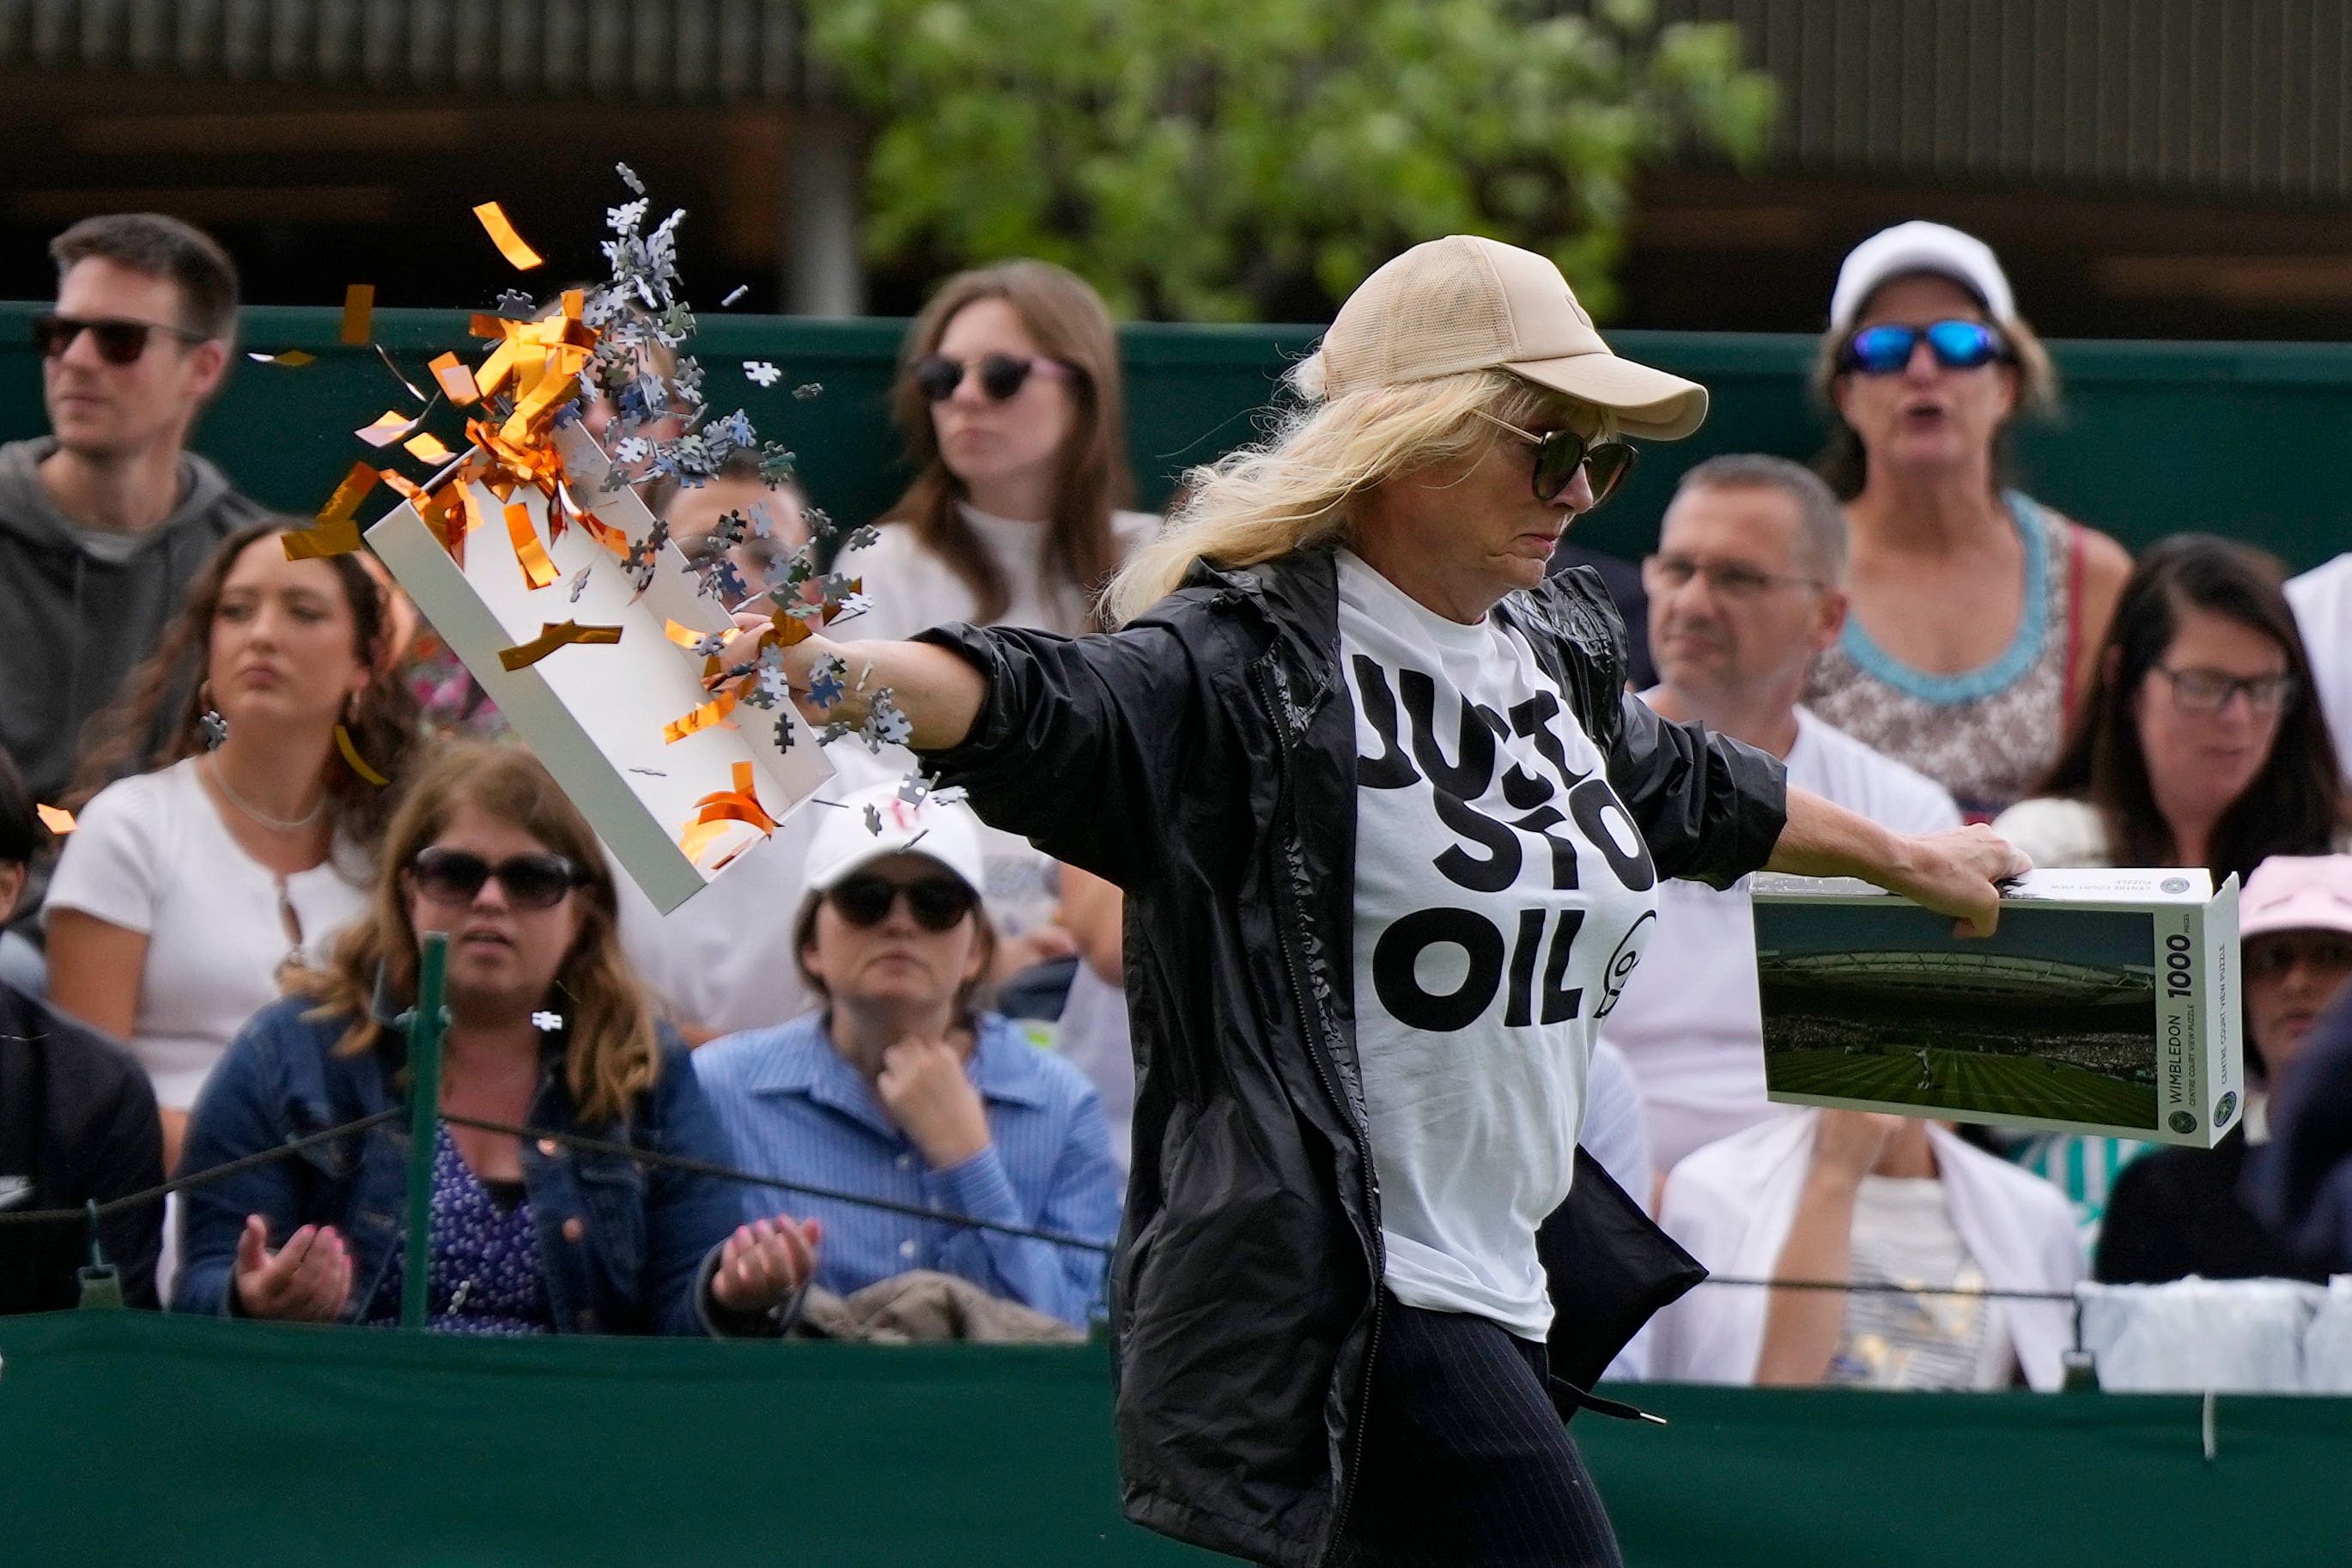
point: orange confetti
(553, 635)
(390, 426)
(605, 533)
(292, 359)
(456, 380)
(345, 503)
(702, 718)
(537, 569)
(716, 812)
(427, 449)
(338, 538)
(502, 235)
(359, 313)
(56, 818)
(684, 637)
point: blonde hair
(611, 1056)
(1290, 490)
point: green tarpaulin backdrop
(135, 1439)
(2245, 440)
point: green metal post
(423, 1118)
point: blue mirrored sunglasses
(1956, 345)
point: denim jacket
(625, 1249)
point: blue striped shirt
(795, 1110)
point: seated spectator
(1744, 595)
(2176, 1211)
(2202, 744)
(896, 1088)
(548, 1029)
(1976, 610)
(192, 885)
(2321, 598)
(109, 508)
(2300, 1183)
(77, 1123)
(1860, 1198)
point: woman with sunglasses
(1390, 829)
(247, 840)
(547, 1029)
(1977, 611)
(897, 1087)
(2202, 744)
(1010, 401)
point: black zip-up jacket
(1204, 760)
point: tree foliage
(1218, 160)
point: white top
(152, 855)
(1903, 1235)
(1502, 894)
(2322, 600)
(913, 588)
(1732, 1205)
(1693, 1031)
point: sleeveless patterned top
(1987, 735)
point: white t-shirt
(913, 588)
(152, 855)
(1903, 1235)
(1503, 894)
(2322, 601)
(1693, 1030)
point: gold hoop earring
(351, 751)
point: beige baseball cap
(1465, 303)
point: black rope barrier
(200, 1178)
(726, 1173)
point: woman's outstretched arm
(1954, 873)
(940, 693)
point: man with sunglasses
(899, 1088)
(1745, 592)
(104, 521)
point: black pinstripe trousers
(1465, 1462)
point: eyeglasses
(1559, 453)
(2209, 691)
(1000, 376)
(2273, 957)
(937, 903)
(119, 342)
(1663, 574)
(1956, 345)
(530, 882)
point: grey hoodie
(74, 624)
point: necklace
(282, 825)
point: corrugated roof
(2226, 97)
(692, 51)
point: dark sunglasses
(1000, 376)
(1559, 453)
(937, 903)
(119, 343)
(1956, 345)
(531, 882)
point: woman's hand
(766, 1262)
(1955, 873)
(1952, 872)
(924, 1088)
(939, 691)
(305, 1281)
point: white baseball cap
(1920, 246)
(1462, 303)
(846, 838)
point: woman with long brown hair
(2201, 744)
(1009, 397)
(263, 741)
(548, 1028)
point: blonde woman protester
(548, 1028)
(247, 840)
(1390, 829)
(1977, 611)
